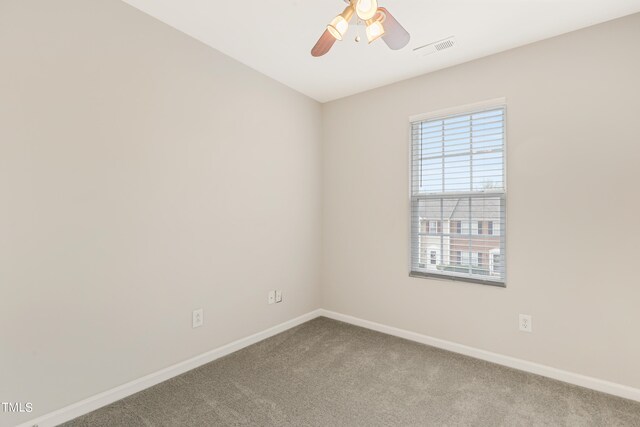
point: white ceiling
(275, 37)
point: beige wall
(142, 175)
(573, 207)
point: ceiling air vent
(434, 47)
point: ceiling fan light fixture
(375, 30)
(340, 24)
(379, 24)
(366, 9)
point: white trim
(535, 368)
(461, 109)
(105, 398)
(99, 400)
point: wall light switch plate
(278, 296)
(272, 297)
(197, 318)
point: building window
(475, 259)
(435, 227)
(466, 259)
(458, 182)
(433, 257)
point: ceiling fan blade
(395, 36)
(324, 44)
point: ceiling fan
(380, 24)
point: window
(458, 182)
(432, 257)
(475, 258)
(495, 264)
(435, 227)
(466, 258)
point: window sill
(421, 275)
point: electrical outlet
(272, 297)
(525, 323)
(278, 296)
(197, 318)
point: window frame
(442, 114)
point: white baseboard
(99, 400)
(512, 362)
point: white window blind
(458, 184)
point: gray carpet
(328, 373)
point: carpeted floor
(328, 373)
